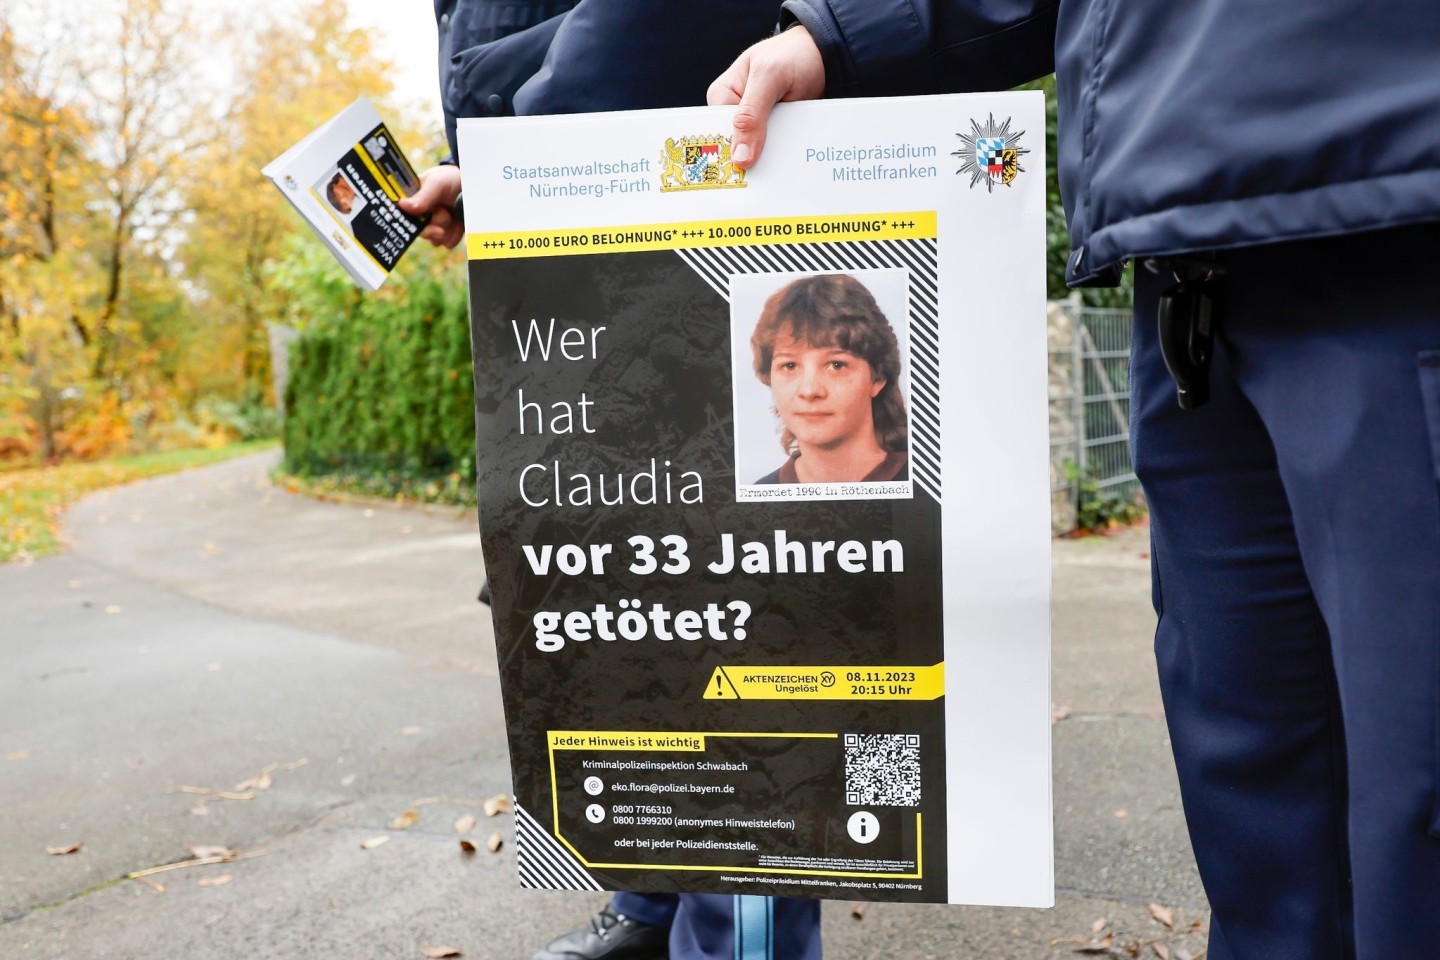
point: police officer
(1275, 172)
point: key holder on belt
(1187, 329)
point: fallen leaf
(857, 910)
(374, 842)
(64, 850)
(219, 881)
(440, 953)
(112, 608)
(500, 803)
(405, 821)
(73, 584)
(214, 667)
(410, 731)
(201, 809)
(1161, 951)
(263, 782)
(18, 755)
(211, 549)
(466, 847)
(1122, 815)
(1099, 925)
(1098, 946)
(157, 887)
(1164, 914)
(1183, 954)
(371, 513)
(206, 852)
(465, 824)
(1060, 713)
(347, 780)
(494, 843)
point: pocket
(1429, 370)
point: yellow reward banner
(625, 740)
(509, 245)
(827, 683)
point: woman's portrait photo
(340, 194)
(819, 371)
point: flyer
(764, 488)
(346, 179)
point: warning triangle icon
(720, 687)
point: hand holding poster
(764, 492)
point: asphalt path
(207, 627)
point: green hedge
(380, 385)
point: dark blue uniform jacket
(527, 57)
(1185, 125)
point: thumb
(434, 192)
(785, 67)
(759, 95)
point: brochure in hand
(346, 179)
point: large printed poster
(764, 496)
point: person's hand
(785, 67)
(438, 193)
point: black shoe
(609, 936)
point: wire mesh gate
(1089, 407)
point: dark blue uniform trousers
(706, 926)
(1296, 559)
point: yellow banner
(380, 178)
(827, 683)
(687, 235)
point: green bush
(1100, 509)
(380, 386)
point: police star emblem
(991, 153)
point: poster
(764, 495)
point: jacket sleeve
(885, 47)
(639, 54)
(481, 81)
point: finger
(423, 200)
(440, 229)
(785, 67)
(454, 235)
(726, 89)
(438, 187)
(759, 94)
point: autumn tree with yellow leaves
(137, 233)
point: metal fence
(1089, 406)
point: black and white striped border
(543, 862)
(716, 265)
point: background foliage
(136, 230)
(380, 390)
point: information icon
(863, 827)
(593, 785)
(595, 813)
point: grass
(449, 490)
(33, 501)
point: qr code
(882, 770)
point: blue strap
(754, 928)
